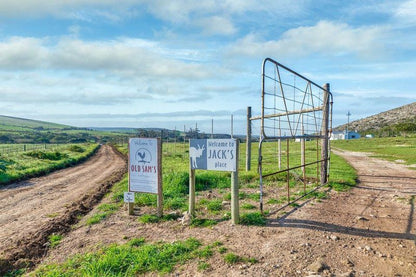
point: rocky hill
(398, 120)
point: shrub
(53, 156)
(76, 148)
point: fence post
(160, 179)
(325, 138)
(191, 186)
(248, 140)
(235, 207)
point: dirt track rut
(28, 206)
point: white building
(336, 135)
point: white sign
(143, 165)
(213, 154)
(129, 197)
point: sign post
(214, 154)
(145, 169)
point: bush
(76, 148)
(53, 156)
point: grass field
(402, 149)
(21, 165)
(213, 187)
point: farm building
(336, 135)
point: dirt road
(31, 209)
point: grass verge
(131, 259)
(23, 165)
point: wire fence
(16, 148)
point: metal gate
(295, 125)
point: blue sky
(164, 63)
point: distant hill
(21, 130)
(393, 122)
(16, 123)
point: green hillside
(8, 123)
(20, 130)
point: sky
(175, 64)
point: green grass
(96, 218)
(342, 175)
(203, 222)
(248, 206)
(214, 205)
(21, 165)
(150, 218)
(255, 218)
(391, 149)
(202, 266)
(231, 258)
(54, 240)
(131, 259)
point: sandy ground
(31, 209)
(368, 231)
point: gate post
(325, 135)
(248, 140)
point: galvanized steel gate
(297, 112)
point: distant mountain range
(392, 122)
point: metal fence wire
(294, 110)
(15, 148)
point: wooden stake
(160, 178)
(235, 208)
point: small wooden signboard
(145, 169)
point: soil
(32, 210)
(367, 231)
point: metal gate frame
(324, 108)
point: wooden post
(191, 209)
(160, 178)
(235, 213)
(248, 140)
(130, 205)
(325, 133)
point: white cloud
(124, 56)
(325, 37)
(406, 12)
(217, 25)
(21, 53)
